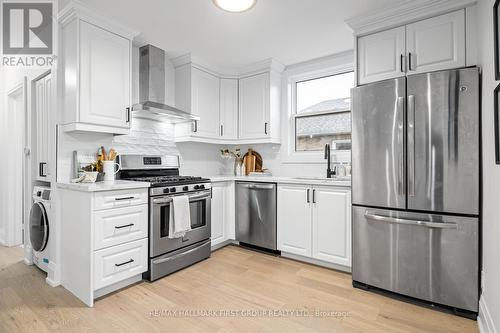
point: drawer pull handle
(124, 198)
(123, 226)
(124, 263)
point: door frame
(14, 234)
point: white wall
(490, 299)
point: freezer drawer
(430, 257)
(256, 214)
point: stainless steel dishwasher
(256, 214)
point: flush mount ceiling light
(235, 6)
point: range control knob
(166, 190)
(197, 187)
(173, 190)
(185, 188)
(202, 187)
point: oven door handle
(191, 197)
(176, 256)
(204, 195)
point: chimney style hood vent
(152, 89)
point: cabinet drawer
(120, 225)
(122, 198)
(120, 262)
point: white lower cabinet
(315, 222)
(120, 225)
(104, 243)
(120, 262)
(222, 212)
(294, 219)
(331, 226)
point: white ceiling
(290, 31)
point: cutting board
(252, 161)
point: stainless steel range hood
(152, 89)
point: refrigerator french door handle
(411, 145)
(400, 145)
(421, 223)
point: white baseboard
(53, 275)
(119, 285)
(316, 262)
(223, 244)
(484, 320)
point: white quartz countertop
(283, 180)
(101, 186)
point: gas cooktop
(157, 181)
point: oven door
(200, 212)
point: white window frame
(335, 65)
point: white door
(331, 226)
(43, 105)
(437, 43)
(49, 105)
(229, 108)
(40, 114)
(104, 77)
(254, 106)
(218, 208)
(381, 55)
(294, 219)
(13, 177)
(205, 103)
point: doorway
(15, 164)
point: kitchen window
(323, 113)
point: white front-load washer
(39, 226)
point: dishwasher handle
(257, 186)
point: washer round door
(39, 227)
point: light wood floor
(232, 279)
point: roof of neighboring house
(329, 105)
(325, 124)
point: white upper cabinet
(43, 109)
(381, 55)
(254, 106)
(205, 103)
(433, 44)
(436, 43)
(233, 109)
(197, 92)
(229, 109)
(331, 226)
(294, 219)
(105, 61)
(95, 72)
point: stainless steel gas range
(167, 255)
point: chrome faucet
(329, 171)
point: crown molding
(407, 12)
(76, 9)
(253, 69)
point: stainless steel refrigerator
(416, 187)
